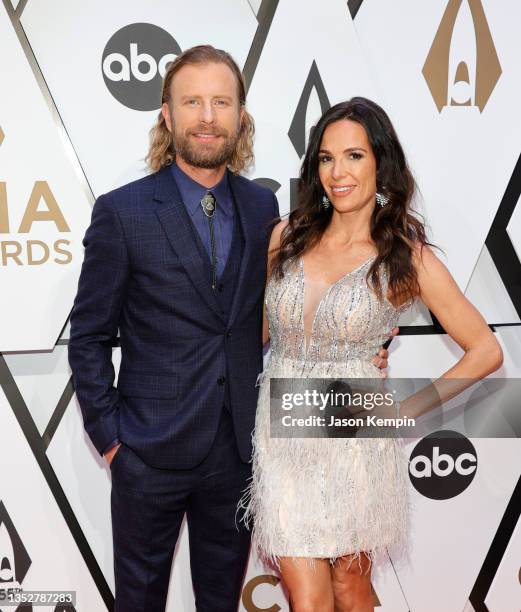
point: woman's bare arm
(464, 324)
(272, 250)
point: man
(177, 262)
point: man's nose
(207, 114)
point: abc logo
(134, 63)
(443, 464)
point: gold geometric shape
(251, 585)
(462, 73)
(2, 135)
(436, 67)
(462, 76)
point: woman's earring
(325, 202)
(381, 199)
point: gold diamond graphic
(436, 67)
(2, 135)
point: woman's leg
(309, 584)
(352, 584)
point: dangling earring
(325, 202)
(381, 199)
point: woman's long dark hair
(394, 229)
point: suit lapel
(180, 232)
(241, 201)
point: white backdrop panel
(85, 478)
(56, 563)
(462, 158)
(488, 294)
(111, 140)
(33, 161)
(450, 538)
(505, 591)
(301, 33)
(41, 380)
(514, 229)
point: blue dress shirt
(192, 193)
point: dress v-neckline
(322, 300)
(343, 277)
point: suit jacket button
(221, 380)
(220, 288)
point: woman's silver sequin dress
(322, 497)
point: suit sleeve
(276, 211)
(94, 322)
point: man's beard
(202, 155)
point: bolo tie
(208, 204)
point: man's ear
(165, 111)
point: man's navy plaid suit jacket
(144, 276)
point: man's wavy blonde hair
(162, 152)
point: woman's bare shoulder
(276, 234)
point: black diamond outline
(38, 448)
(265, 16)
(498, 241)
(297, 129)
(496, 551)
(354, 6)
(22, 560)
(20, 7)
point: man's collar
(192, 192)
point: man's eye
(192, 102)
(221, 102)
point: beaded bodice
(313, 323)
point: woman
(342, 269)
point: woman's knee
(311, 603)
(308, 583)
(351, 582)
